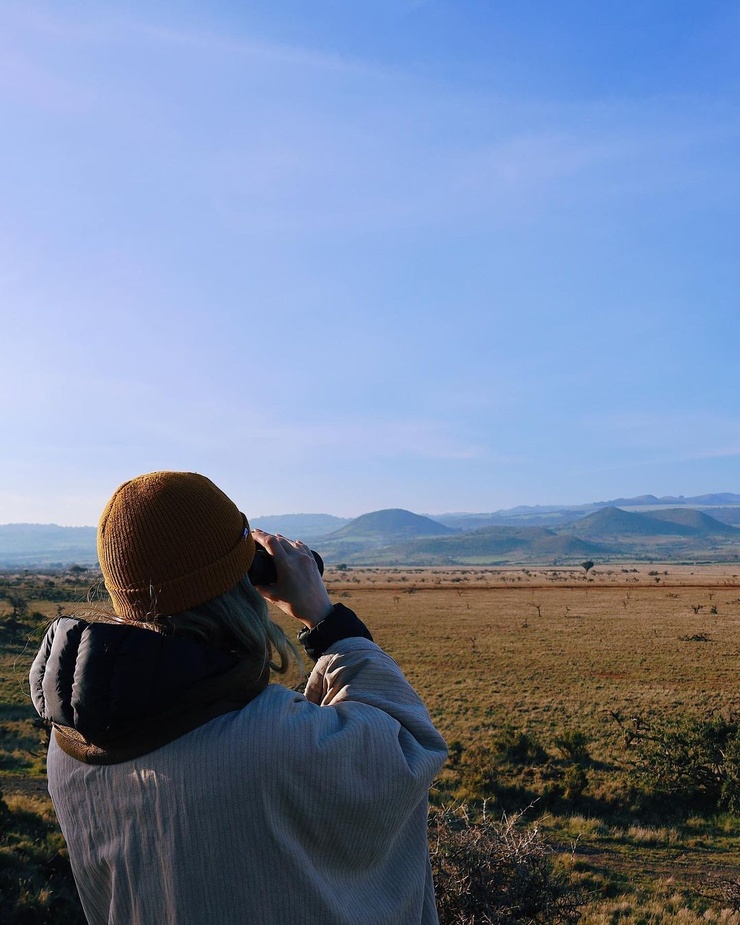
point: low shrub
(573, 745)
(518, 747)
(694, 761)
(490, 872)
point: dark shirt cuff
(342, 623)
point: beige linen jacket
(295, 809)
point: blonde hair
(237, 621)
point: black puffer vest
(116, 691)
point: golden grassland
(537, 660)
(558, 652)
(551, 649)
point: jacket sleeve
(364, 753)
(357, 671)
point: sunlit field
(521, 669)
(546, 684)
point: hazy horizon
(350, 257)
(447, 512)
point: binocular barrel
(262, 570)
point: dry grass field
(541, 680)
(563, 656)
(552, 649)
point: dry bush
(490, 872)
(695, 761)
(730, 892)
(724, 890)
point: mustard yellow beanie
(168, 541)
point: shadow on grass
(36, 884)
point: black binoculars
(263, 572)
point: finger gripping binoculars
(263, 572)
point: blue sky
(343, 256)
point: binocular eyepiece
(263, 572)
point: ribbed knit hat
(168, 541)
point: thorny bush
(490, 872)
(694, 760)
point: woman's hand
(299, 589)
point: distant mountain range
(613, 523)
(607, 534)
(300, 524)
(724, 506)
(647, 528)
(28, 545)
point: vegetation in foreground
(36, 885)
(592, 714)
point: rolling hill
(606, 533)
(610, 523)
(696, 520)
(490, 546)
(391, 524)
(649, 530)
(376, 530)
(613, 522)
(525, 517)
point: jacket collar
(116, 691)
